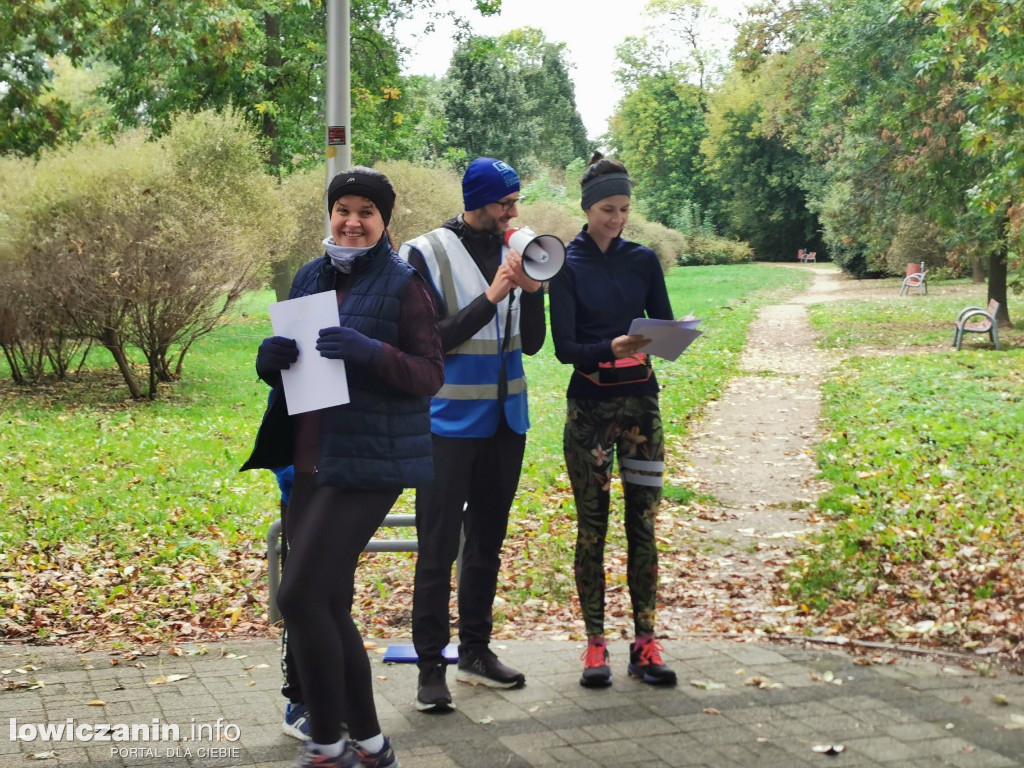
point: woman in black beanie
(351, 461)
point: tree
(266, 58)
(657, 131)
(980, 45)
(687, 22)
(486, 105)
(29, 33)
(757, 178)
(561, 135)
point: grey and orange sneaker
(597, 671)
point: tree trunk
(977, 270)
(997, 285)
(281, 274)
(272, 61)
(13, 364)
(112, 342)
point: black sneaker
(432, 694)
(483, 668)
(646, 664)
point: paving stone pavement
(909, 714)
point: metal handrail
(374, 545)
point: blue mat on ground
(406, 654)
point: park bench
(977, 320)
(917, 280)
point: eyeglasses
(508, 205)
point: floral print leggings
(595, 431)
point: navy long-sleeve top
(594, 299)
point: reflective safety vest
(470, 403)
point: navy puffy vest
(381, 439)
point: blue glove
(341, 343)
(276, 354)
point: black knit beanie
(364, 182)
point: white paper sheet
(312, 382)
(668, 337)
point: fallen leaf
(707, 685)
(96, 703)
(762, 683)
(828, 749)
(710, 711)
(1001, 700)
(167, 679)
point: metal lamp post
(339, 91)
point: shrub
(426, 198)
(302, 202)
(150, 242)
(549, 218)
(710, 250)
(667, 243)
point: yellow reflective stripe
(451, 298)
(479, 391)
(484, 346)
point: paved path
(908, 714)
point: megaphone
(543, 255)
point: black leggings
(327, 528)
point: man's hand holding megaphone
(515, 262)
(510, 275)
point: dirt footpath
(752, 458)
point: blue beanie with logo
(487, 180)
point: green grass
(145, 497)
(923, 454)
(905, 321)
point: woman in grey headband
(612, 409)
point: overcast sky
(591, 30)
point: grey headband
(605, 186)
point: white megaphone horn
(543, 255)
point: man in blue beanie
(490, 313)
